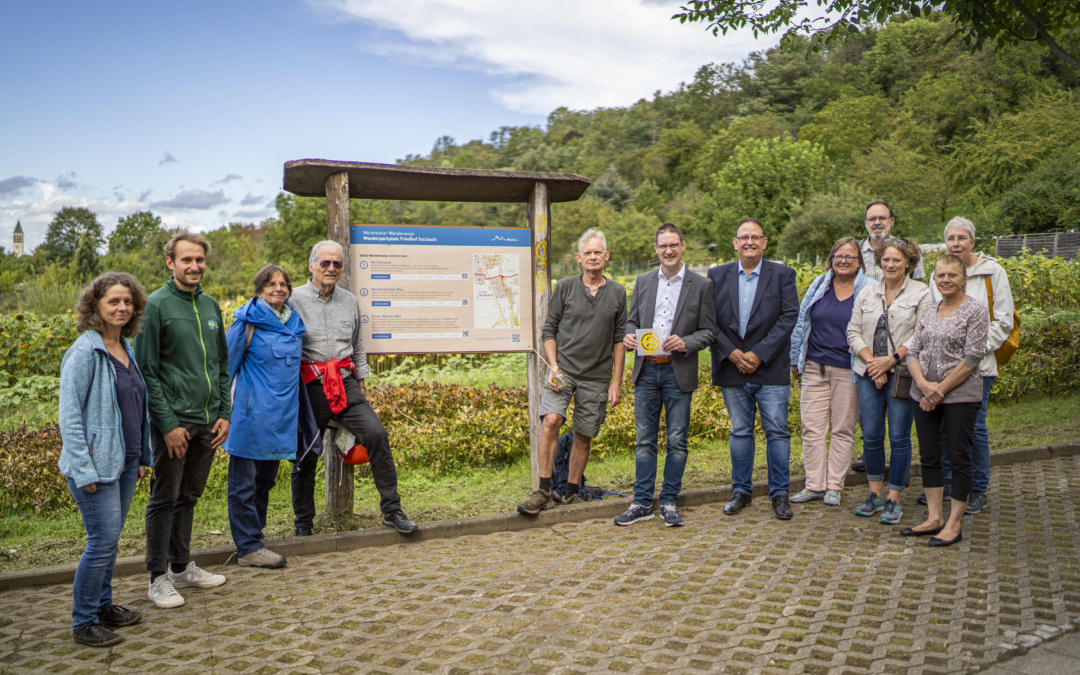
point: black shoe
(921, 499)
(934, 541)
(302, 531)
(738, 501)
(782, 508)
(908, 532)
(859, 465)
(118, 617)
(96, 635)
(400, 522)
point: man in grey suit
(677, 305)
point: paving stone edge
(479, 525)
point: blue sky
(191, 109)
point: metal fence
(1053, 245)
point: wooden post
(339, 475)
(539, 214)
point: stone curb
(479, 525)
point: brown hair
(950, 259)
(665, 228)
(880, 202)
(844, 242)
(266, 273)
(87, 308)
(907, 247)
(184, 235)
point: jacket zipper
(209, 386)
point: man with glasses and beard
(334, 366)
(879, 219)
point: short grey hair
(960, 223)
(589, 236)
(324, 242)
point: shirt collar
(679, 275)
(756, 270)
(317, 292)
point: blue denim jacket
(90, 421)
(800, 337)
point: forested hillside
(800, 140)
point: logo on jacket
(212, 323)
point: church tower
(17, 243)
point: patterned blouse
(942, 343)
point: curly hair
(907, 247)
(87, 309)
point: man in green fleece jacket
(182, 354)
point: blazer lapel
(684, 292)
(733, 284)
(648, 300)
(762, 282)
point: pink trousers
(828, 400)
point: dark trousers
(175, 486)
(359, 418)
(250, 481)
(959, 421)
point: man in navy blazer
(677, 305)
(757, 305)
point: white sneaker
(193, 576)
(163, 593)
(262, 557)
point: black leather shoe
(859, 465)
(782, 508)
(934, 541)
(738, 501)
(908, 532)
(400, 522)
(302, 532)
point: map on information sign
(496, 291)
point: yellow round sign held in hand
(650, 341)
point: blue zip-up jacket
(800, 337)
(90, 419)
(268, 420)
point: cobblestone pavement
(825, 593)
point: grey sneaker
(872, 505)
(807, 496)
(538, 501)
(832, 498)
(977, 504)
(262, 557)
(671, 516)
(635, 514)
(193, 575)
(163, 593)
(891, 513)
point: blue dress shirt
(747, 289)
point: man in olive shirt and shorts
(582, 338)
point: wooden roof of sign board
(307, 178)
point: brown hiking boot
(538, 501)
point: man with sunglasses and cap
(334, 366)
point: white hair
(325, 242)
(960, 223)
(589, 236)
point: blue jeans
(875, 407)
(656, 387)
(103, 515)
(771, 401)
(250, 481)
(980, 448)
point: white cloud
(193, 199)
(38, 210)
(552, 53)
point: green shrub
(1048, 361)
(30, 345)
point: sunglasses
(325, 264)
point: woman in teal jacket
(106, 443)
(268, 420)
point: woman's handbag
(901, 382)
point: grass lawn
(29, 541)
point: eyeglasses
(668, 247)
(750, 237)
(325, 264)
(845, 258)
(878, 219)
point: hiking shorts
(590, 403)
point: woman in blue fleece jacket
(106, 443)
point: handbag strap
(990, 296)
(888, 332)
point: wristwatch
(896, 357)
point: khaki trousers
(828, 400)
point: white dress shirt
(667, 300)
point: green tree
(135, 232)
(914, 184)
(977, 22)
(822, 220)
(721, 146)
(66, 231)
(612, 190)
(767, 178)
(848, 127)
(1047, 198)
(87, 261)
